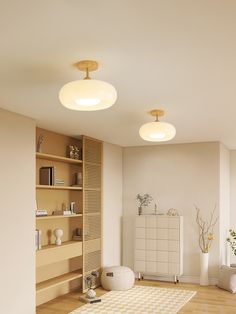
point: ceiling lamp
(157, 131)
(87, 94)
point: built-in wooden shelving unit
(60, 268)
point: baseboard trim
(187, 279)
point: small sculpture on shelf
(40, 143)
(78, 179)
(58, 233)
(76, 152)
(89, 283)
(172, 212)
(71, 151)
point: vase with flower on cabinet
(204, 266)
(140, 210)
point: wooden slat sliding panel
(92, 246)
(92, 150)
(92, 176)
(92, 261)
(92, 207)
(92, 201)
(92, 227)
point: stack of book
(59, 182)
(41, 212)
(47, 177)
(38, 241)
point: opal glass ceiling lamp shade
(157, 131)
(87, 94)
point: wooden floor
(207, 300)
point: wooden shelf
(54, 253)
(58, 187)
(58, 158)
(58, 216)
(57, 247)
(50, 283)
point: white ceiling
(178, 55)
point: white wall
(177, 176)
(112, 204)
(232, 222)
(17, 223)
(224, 214)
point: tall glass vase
(204, 265)
(140, 210)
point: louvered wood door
(92, 207)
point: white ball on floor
(91, 294)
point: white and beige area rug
(139, 300)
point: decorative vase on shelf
(204, 263)
(140, 210)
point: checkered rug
(139, 300)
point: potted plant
(232, 242)
(143, 200)
(205, 238)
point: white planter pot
(204, 262)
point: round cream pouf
(117, 278)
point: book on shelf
(38, 239)
(47, 175)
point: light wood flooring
(207, 300)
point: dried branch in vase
(206, 230)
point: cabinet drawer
(174, 269)
(173, 234)
(140, 255)
(162, 234)
(174, 222)
(139, 266)
(140, 244)
(173, 246)
(140, 233)
(162, 268)
(173, 257)
(151, 233)
(162, 222)
(151, 256)
(53, 253)
(162, 256)
(162, 245)
(151, 267)
(140, 221)
(151, 221)
(151, 245)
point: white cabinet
(159, 245)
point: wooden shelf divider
(50, 283)
(58, 158)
